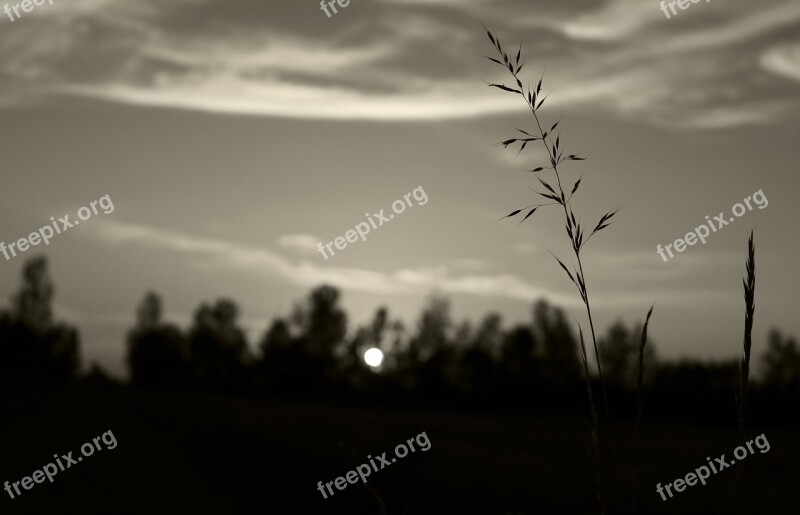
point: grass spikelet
(576, 232)
(749, 284)
(639, 411)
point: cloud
(406, 59)
(267, 264)
(214, 254)
(65, 312)
(614, 20)
(759, 20)
(304, 244)
(783, 60)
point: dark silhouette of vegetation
(313, 353)
(158, 354)
(781, 364)
(31, 341)
(554, 191)
(218, 347)
(299, 356)
(539, 366)
(619, 350)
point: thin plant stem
(588, 308)
(639, 411)
(593, 445)
(750, 307)
(573, 226)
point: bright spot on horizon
(373, 357)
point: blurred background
(200, 324)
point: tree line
(313, 353)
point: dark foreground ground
(197, 454)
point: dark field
(191, 453)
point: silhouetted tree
(520, 365)
(429, 350)
(30, 341)
(463, 334)
(350, 356)
(489, 336)
(782, 364)
(394, 344)
(320, 326)
(218, 347)
(281, 362)
(619, 354)
(477, 364)
(433, 329)
(278, 336)
(323, 324)
(371, 335)
(559, 348)
(158, 354)
(33, 301)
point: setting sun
(373, 357)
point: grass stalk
(353, 458)
(556, 193)
(749, 284)
(593, 443)
(639, 412)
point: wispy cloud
(408, 59)
(304, 244)
(464, 278)
(783, 60)
(215, 253)
(612, 20)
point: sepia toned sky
(233, 136)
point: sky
(233, 137)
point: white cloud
(130, 53)
(747, 25)
(615, 20)
(216, 254)
(783, 60)
(302, 243)
(309, 273)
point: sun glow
(373, 357)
